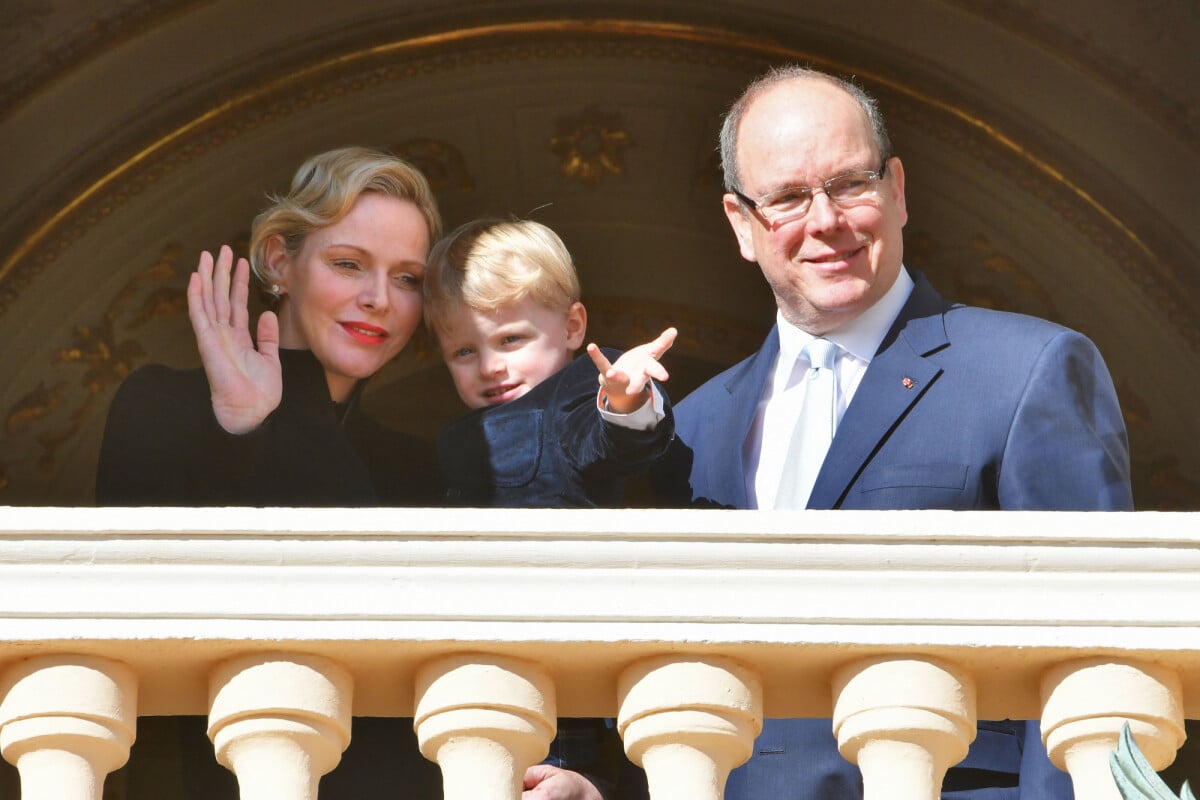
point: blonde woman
(275, 420)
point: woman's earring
(275, 290)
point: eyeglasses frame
(753, 207)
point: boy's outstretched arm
(626, 383)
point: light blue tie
(814, 427)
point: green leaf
(1135, 778)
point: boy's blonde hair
(490, 263)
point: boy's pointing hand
(626, 383)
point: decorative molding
(107, 355)
(1008, 269)
(703, 335)
(1134, 406)
(591, 144)
(466, 48)
(440, 162)
(1137, 85)
(1166, 483)
(1165, 285)
(992, 280)
(102, 32)
(108, 30)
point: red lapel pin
(908, 382)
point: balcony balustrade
(687, 627)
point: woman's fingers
(200, 301)
(195, 303)
(221, 281)
(268, 335)
(240, 297)
(219, 291)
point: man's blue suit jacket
(961, 408)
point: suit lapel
(744, 389)
(896, 379)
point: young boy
(502, 300)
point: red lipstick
(365, 333)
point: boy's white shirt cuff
(645, 418)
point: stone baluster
(904, 721)
(279, 721)
(688, 722)
(484, 719)
(66, 722)
(1085, 703)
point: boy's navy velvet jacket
(548, 449)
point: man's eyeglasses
(788, 204)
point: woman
(343, 254)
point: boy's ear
(576, 325)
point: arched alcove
(1040, 179)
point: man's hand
(545, 782)
(246, 383)
(626, 383)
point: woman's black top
(163, 447)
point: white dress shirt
(783, 394)
(645, 418)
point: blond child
(502, 301)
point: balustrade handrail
(689, 627)
(795, 593)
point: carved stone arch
(1041, 178)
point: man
(934, 405)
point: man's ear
(576, 325)
(277, 262)
(742, 224)
(896, 170)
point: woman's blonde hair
(489, 263)
(324, 190)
